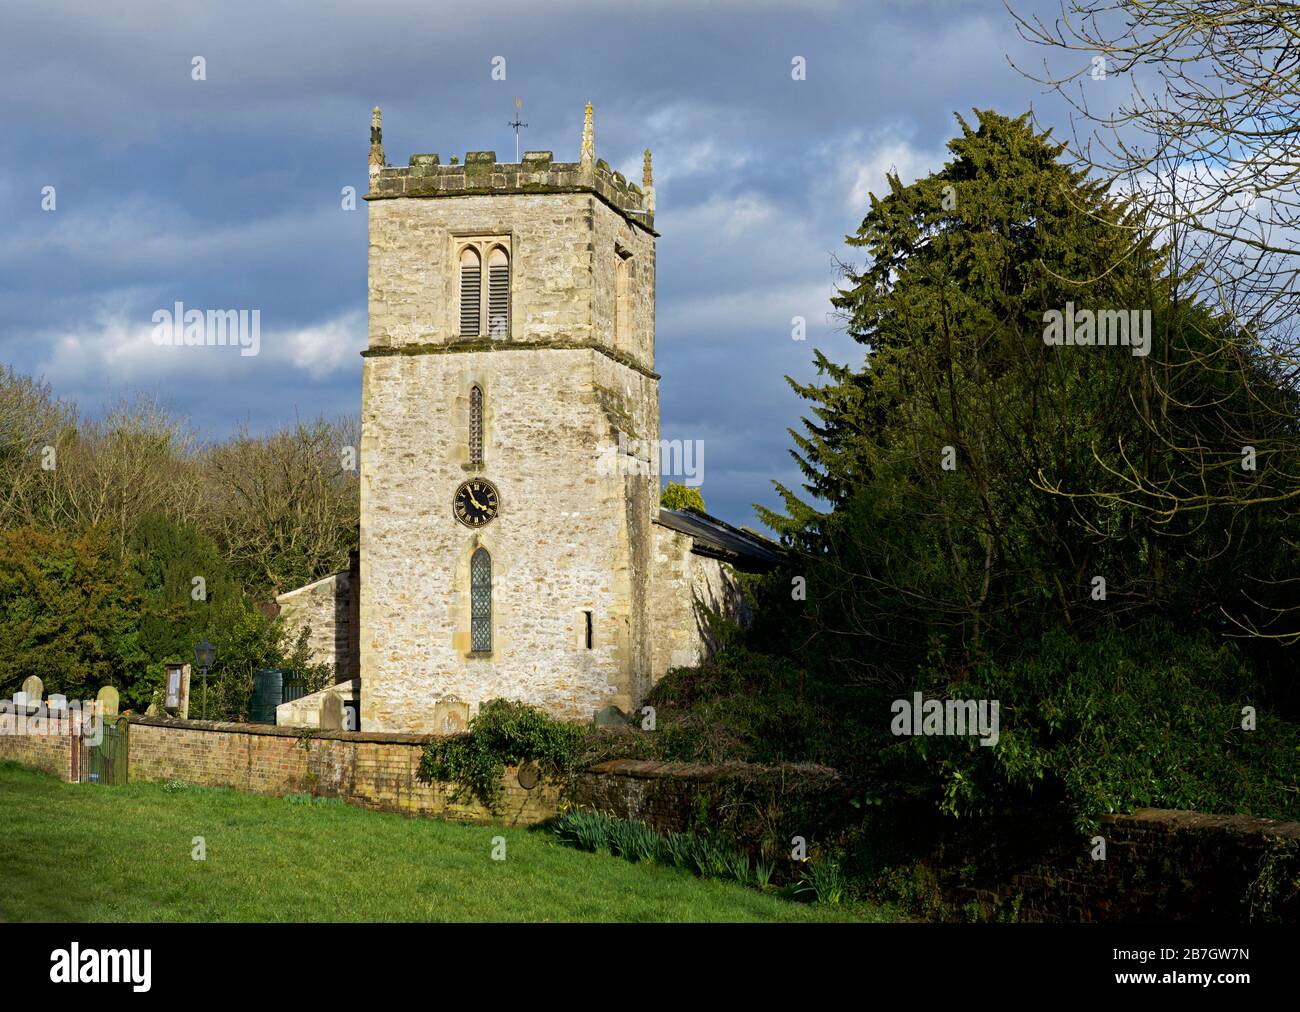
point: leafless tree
(285, 506)
(1194, 105)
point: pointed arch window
(471, 291)
(498, 294)
(476, 424)
(622, 298)
(480, 596)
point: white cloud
(137, 232)
(863, 161)
(116, 348)
(751, 314)
(322, 350)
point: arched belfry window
(480, 601)
(476, 424)
(471, 291)
(498, 294)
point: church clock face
(475, 502)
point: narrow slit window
(622, 301)
(471, 292)
(480, 581)
(475, 425)
(499, 294)
(587, 614)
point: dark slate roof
(743, 548)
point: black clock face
(475, 502)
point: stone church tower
(506, 547)
(512, 543)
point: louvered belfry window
(471, 292)
(480, 597)
(475, 425)
(499, 294)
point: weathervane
(519, 104)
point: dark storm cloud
(226, 192)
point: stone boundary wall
(372, 769)
(1164, 865)
(750, 801)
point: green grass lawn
(82, 852)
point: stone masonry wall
(371, 770)
(325, 606)
(561, 545)
(683, 588)
(1162, 865)
(761, 807)
(565, 388)
(562, 249)
(573, 531)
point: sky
(226, 192)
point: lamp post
(204, 654)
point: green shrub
(504, 733)
(1145, 717)
(676, 496)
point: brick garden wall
(374, 770)
(55, 754)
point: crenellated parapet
(481, 174)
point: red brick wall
(375, 770)
(52, 753)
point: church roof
(743, 548)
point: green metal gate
(106, 763)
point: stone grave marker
(108, 700)
(331, 712)
(33, 690)
(450, 716)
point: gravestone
(610, 716)
(152, 711)
(331, 712)
(450, 716)
(108, 700)
(34, 690)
